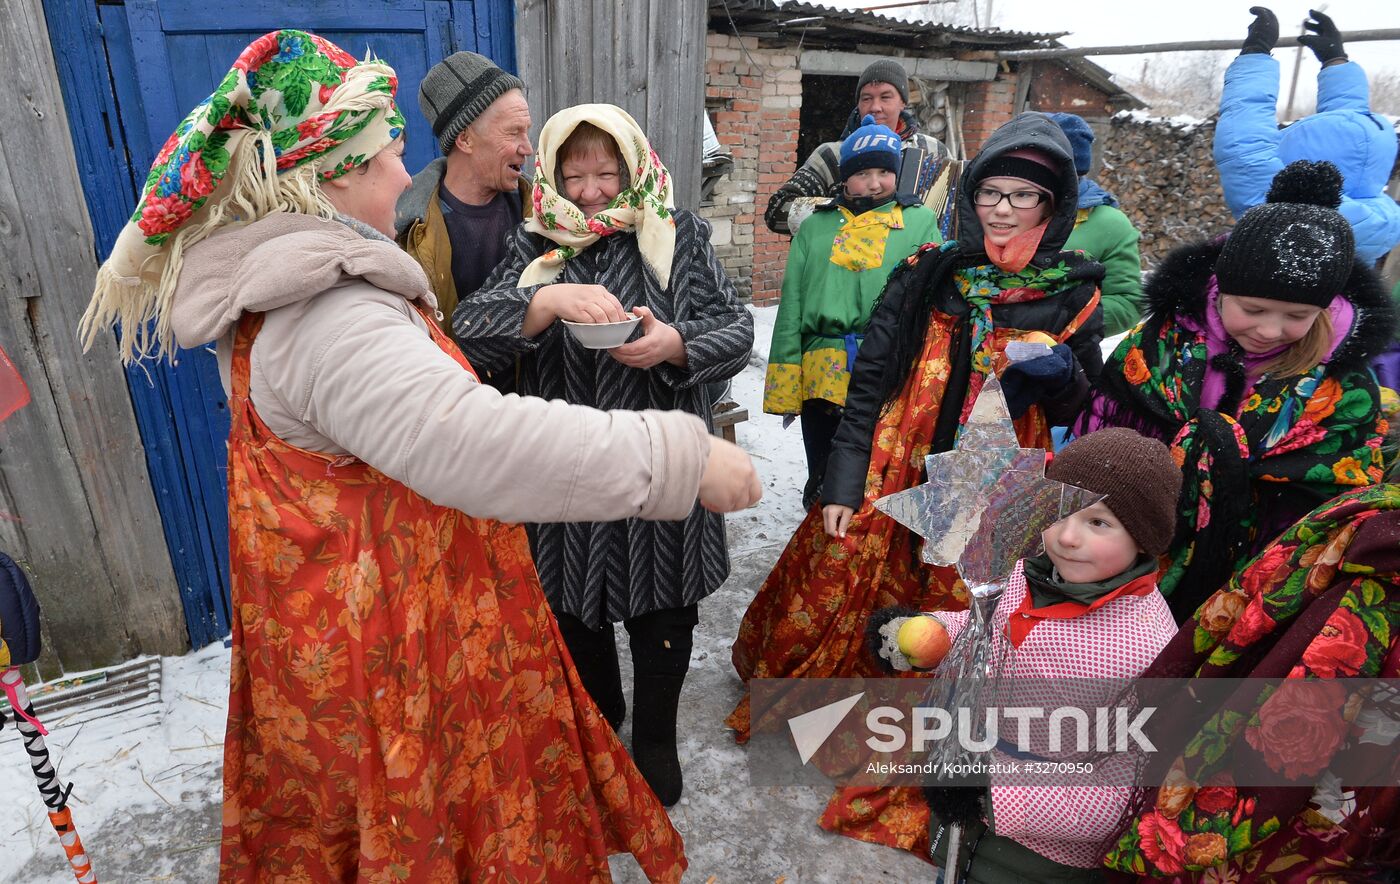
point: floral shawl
(1321, 602)
(292, 101)
(644, 208)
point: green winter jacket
(1105, 234)
(823, 303)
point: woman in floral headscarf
(604, 241)
(400, 705)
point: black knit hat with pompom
(1296, 247)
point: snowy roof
(844, 28)
(827, 27)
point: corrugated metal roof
(854, 25)
(846, 28)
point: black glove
(1026, 383)
(1326, 40)
(1263, 32)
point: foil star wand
(981, 510)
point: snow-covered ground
(128, 772)
(147, 784)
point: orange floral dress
(401, 705)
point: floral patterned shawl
(1281, 446)
(292, 102)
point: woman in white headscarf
(603, 243)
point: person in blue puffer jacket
(1250, 148)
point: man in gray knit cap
(457, 216)
(883, 92)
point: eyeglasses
(1021, 199)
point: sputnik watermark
(1115, 729)
(1073, 732)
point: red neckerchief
(1026, 617)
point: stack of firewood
(1161, 170)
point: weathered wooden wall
(76, 507)
(645, 56)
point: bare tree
(960, 13)
(1181, 83)
(1385, 92)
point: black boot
(654, 702)
(661, 642)
(595, 657)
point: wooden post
(1378, 34)
(647, 57)
(76, 507)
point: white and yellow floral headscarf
(644, 208)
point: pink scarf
(1018, 251)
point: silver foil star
(985, 502)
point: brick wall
(987, 107)
(1054, 89)
(754, 96)
(754, 99)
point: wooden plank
(851, 64)
(261, 16)
(645, 57)
(155, 411)
(438, 38)
(502, 14)
(71, 467)
(532, 58)
(1024, 77)
(676, 92)
(1377, 34)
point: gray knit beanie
(457, 90)
(886, 70)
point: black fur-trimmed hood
(1180, 282)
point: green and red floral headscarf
(292, 101)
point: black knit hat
(1296, 247)
(1137, 476)
(1027, 164)
(457, 90)
(885, 71)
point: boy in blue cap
(836, 269)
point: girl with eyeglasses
(941, 328)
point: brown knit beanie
(1137, 476)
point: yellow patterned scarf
(861, 243)
(644, 208)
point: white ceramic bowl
(601, 335)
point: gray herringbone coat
(607, 572)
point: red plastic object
(14, 395)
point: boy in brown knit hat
(1087, 608)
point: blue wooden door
(156, 60)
